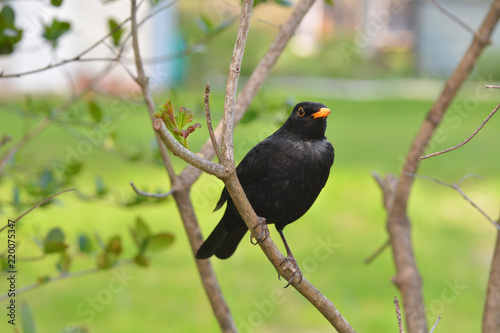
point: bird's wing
(253, 166)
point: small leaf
(204, 23)
(27, 320)
(185, 116)
(329, 2)
(142, 231)
(159, 242)
(43, 279)
(84, 244)
(103, 261)
(100, 188)
(56, 3)
(94, 111)
(116, 33)
(54, 241)
(55, 30)
(249, 116)
(114, 246)
(64, 262)
(10, 35)
(141, 260)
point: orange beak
(322, 113)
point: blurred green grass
(453, 243)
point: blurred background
(82, 123)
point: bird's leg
(292, 263)
(263, 234)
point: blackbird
(282, 176)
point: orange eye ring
(301, 112)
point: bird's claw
(263, 234)
(291, 265)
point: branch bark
(491, 316)
(408, 278)
(182, 198)
(190, 174)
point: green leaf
(116, 33)
(55, 30)
(54, 241)
(94, 111)
(286, 3)
(141, 260)
(205, 24)
(103, 261)
(27, 320)
(114, 246)
(159, 242)
(142, 233)
(10, 35)
(56, 3)
(249, 116)
(84, 244)
(185, 116)
(329, 2)
(15, 196)
(100, 187)
(64, 262)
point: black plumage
(282, 176)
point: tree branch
(491, 316)
(435, 324)
(398, 314)
(151, 195)
(190, 174)
(206, 100)
(466, 140)
(36, 206)
(457, 20)
(182, 198)
(408, 278)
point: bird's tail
(221, 242)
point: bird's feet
(289, 263)
(263, 234)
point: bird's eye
(301, 112)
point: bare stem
(398, 314)
(36, 206)
(491, 316)
(435, 324)
(466, 140)
(151, 195)
(206, 100)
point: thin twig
(466, 140)
(492, 86)
(458, 21)
(435, 324)
(151, 195)
(398, 314)
(377, 252)
(36, 206)
(219, 170)
(209, 122)
(233, 75)
(459, 190)
(62, 277)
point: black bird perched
(282, 176)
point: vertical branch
(182, 198)
(190, 174)
(233, 75)
(491, 316)
(408, 278)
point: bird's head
(307, 120)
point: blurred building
(89, 22)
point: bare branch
(378, 252)
(233, 75)
(435, 324)
(151, 195)
(458, 20)
(398, 314)
(459, 190)
(492, 86)
(206, 99)
(408, 278)
(190, 174)
(491, 315)
(177, 149)
(60, 278)
(466, 140)
(36, 206)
